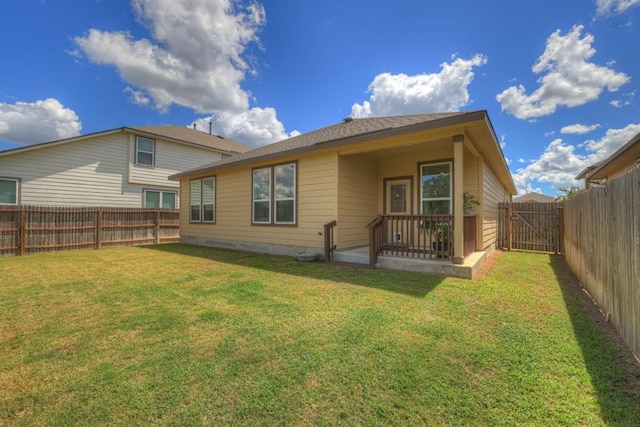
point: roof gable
(178, 134)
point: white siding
(96, 171)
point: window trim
(153, 152)
(156, 190)
(200, 203)
(272, 195)
(451, 197)
(18, 182)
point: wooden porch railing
(329, 243)
(412, 236)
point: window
(274, 195)
(8, 191)
(160, 199)
(202, 200)
(436, 189)
(145, 151)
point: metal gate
(531, 226)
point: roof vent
(347, 119)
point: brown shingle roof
(185, 134)
(534, 197)
(350, 130)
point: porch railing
(329, 243)
(411, 236)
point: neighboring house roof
(534, 197)
(626, 155)
(349, 131)
(179, 134)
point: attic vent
(348, 119)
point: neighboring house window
(436, 188)
(8, 191)
(145, 151)
(274, 195)
(202, 200)
(160, 199)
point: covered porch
(406, 199)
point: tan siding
(492, 194)
(316, 183)
(357, 199)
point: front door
(398, 196)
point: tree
(570, 193)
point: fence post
(99, 228)
(508, 226)
(23, 231)
(157, 227)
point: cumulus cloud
(195, 58)
(568, 79)
(606, 7)
(393, 94)
(578, 129)
(40, 121)
(560, 162)
(255, 127)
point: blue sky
(558, 78)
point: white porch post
(458, 199)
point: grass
(177, 334)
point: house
(124, 167)
(384, 188)
(534, 197)
(626, 158)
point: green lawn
(176, 334)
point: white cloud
(195, 58)
(619, 103)
(256, 127)
(393, 94)
(40, 121)
(605, 7)
(559, 164)
(568, 79)
(521, 160)
(578, 129)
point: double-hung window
(145, 151)
(436, 189)
(274, 195)
(8, 191)
(160, 199)
(202, 200)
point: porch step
(358, 256)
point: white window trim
(200, 203)
(435, 199)
(17, 181)
(153, 152)
(162, 192)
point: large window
(145, 151)
(274, 195)
(160, 199)
(202, 200)
(8, 191)
(436, 189)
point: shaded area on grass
(387, 280)
(614, 370)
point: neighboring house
(278, 198)
(623, 160)
(125, 167)
(534, 197)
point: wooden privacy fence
(602, 248)
(531, 226)
(34, 229)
